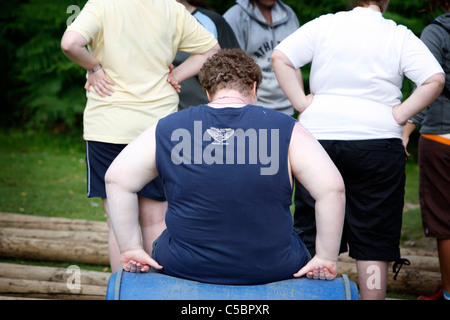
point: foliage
(45, 90)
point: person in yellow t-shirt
(127, 48)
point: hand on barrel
(137, 260)
(318, 268)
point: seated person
(227, 169)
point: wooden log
(13, 220)
(418, 252)
(15, 297)
(63, 235)
(53, 274)
(29, 287)
(49, 283)
(54, 250)
(411, 281)
(49, 296)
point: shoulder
(235, 12)
(322, 21)
(438, 29)
(177, 119)
(288, 9)
(275, 117)
(214, 16)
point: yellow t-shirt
(135, 41)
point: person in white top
(355, 109)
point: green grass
(42, 174)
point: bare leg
(372, 276)
(443, 246)
(152, 215)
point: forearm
(124, 216)
(408, 129)
(192, 65)
(329, 224)
(421, 98)
(290, 80)
(74, 47)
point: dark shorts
(99, 156)
(434, 162)
(374, 176)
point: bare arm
(314, 169)
(290, 81)
(190, 67)
(133, 168)
(73, 45)
(421, 98)
(406, 133)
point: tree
(44, 88)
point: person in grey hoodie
(259, 25)
(434, 151)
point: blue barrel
(156, 286)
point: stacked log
(81, 241)
(35, 282)
(72, 241)
(53, 239)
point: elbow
(436, 83)
(339, 190)
(66, 44)
(214, 50)
(441, 82)
(280, 57)
(71, 41)
(111, 176)
(340, 200)
(281, 63)
(114, 183)
(276, 56)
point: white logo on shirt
(220, 135)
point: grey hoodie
(258, 38)
(436, 118)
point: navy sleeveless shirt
(226, 180)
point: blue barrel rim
(118, 284)
(119, 275)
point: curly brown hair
(230, 69)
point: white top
(358, 61)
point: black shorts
(374, 177)
(99, 156)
